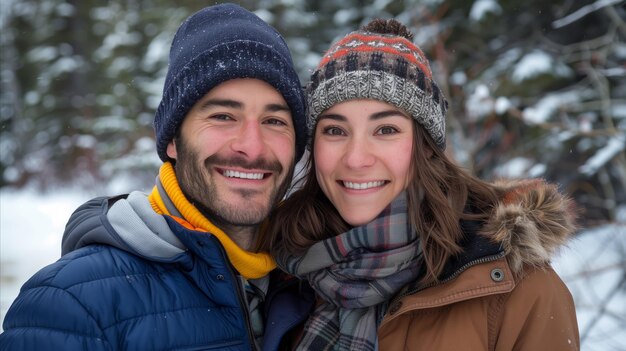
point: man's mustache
(240, 162)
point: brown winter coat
(508, 299)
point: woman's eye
(333, 131)
(386, 130)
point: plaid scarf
(355, 274)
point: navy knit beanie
(220, 43)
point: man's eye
(386, 130)
(333, 131)
(221, 117)
(276, 122)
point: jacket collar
(479, 280)
(531, 221)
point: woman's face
(363, 152)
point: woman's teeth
(363, 186)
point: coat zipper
(243, 301)
(450, 277)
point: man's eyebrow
(240, 105)
(221, 103)
(277, 108)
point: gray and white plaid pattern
(354, 274)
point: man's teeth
(363, 186)
(243, 175)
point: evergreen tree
(535, 88)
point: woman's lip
(362, 185)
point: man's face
(235, 152)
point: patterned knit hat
(381, 66)
(216, 44)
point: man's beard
(203, 193)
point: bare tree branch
(582, 12)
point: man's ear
(171, 150)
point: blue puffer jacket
(113, 293)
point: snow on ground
(593, 266)
(31, 226)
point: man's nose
(249, 140)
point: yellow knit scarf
(249, 264)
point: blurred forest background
(536, 89)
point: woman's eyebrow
(386, 113)
(372, 117)
(334, 117)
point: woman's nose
(359, 154)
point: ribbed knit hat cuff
(387, 87)
(206, 71)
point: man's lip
(244, 174)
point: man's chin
(242, 212)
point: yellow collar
(251, 265)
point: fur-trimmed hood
(531, 222)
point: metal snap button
(220, 277)
(497, 275)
